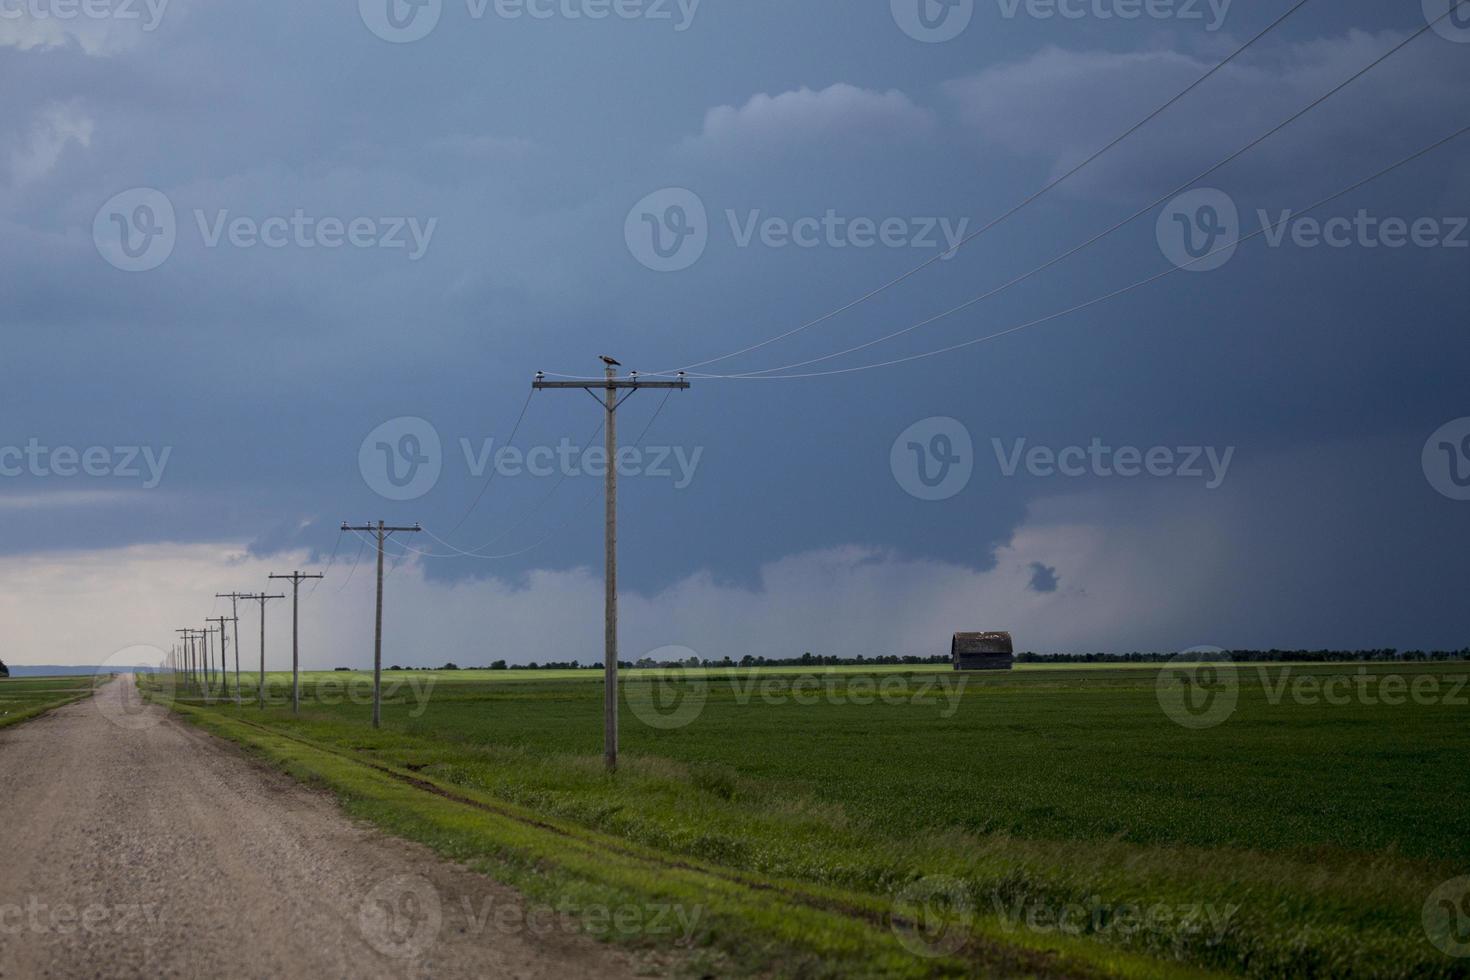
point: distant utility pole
(208, 659)
(382, 530)
(224, 661)
(611, 385)
(262, 598)
(296, 579)
(188, 660)
(235, 598)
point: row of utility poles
(193, 655)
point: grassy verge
(27, 698)
(749, 923)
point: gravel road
(132, 845)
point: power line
(1047, 188)
(493, 469)
(456, 552)
(1099, 237)
(1117, 292)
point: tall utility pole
(188, 661)
(224, 660)
(296, 579)
(235, 598)
(611, 385)
(208, 659)
(262, 598)
(382, 530)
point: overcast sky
(273, 266)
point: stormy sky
(273, 266)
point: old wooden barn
(982, 651)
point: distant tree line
(820, 660)
(1252, 656)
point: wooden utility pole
(188, 660)
(611, 385)
(224, 659)
(235, 598)
(262, 598)
(382, 530)
(296, 579)
(208, 659)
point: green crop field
(27, 697)
(900, 821)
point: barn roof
(982, 643)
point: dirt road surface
(132, 845)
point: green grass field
(23, 698)
(1061, 820)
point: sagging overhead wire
(1117, 292)
(1006, 215)
(1096, 238)
(591, 498)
